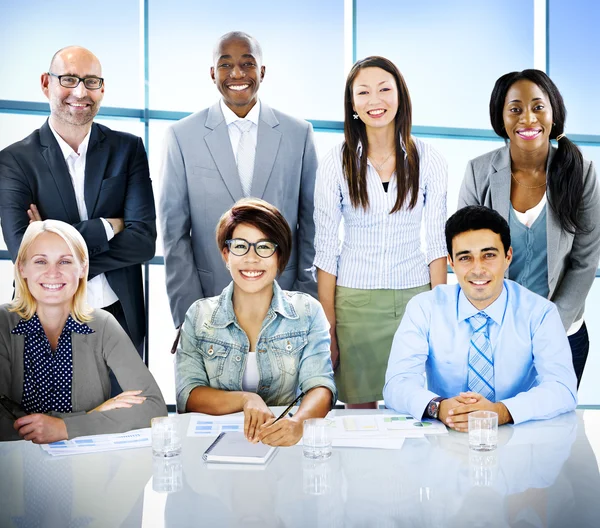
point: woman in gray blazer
(56, 353)
(548, 195)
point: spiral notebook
(233, 447)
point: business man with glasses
(96, 179)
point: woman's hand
(335, 351)
(41, 428)
(256, 413)
(121, 401)
(284, 432)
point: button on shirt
(47, 376)
(234, 132)
(380, 250)
(533, 368)
(99, 292)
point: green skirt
(366, 321)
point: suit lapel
(95, 167)
(219, 146)
(60, 172)
(267, 145)
(500, 183)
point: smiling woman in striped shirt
(390, 189)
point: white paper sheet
(98, 443)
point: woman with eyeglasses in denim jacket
(255, 345)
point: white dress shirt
(99, 292)
(234, 131)
(380, 250)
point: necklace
(379, 166)
(527, 186)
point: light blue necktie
(245, 155)
(481, 361)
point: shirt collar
(402, 145)
(224, 315)
(33, 326)
(66, 148)
(231, 117)
(495, 311)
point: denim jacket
(293, 348)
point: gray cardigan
(572, 259)
(93, 355)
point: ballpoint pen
(289, 407)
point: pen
(289, 407)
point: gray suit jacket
(108, 347)
(572, 259)
(200, 182)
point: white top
(99, 292)
(251, 376)
(380, 250)
(528, 218)
(234, 132)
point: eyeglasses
(239, 247)
(72, 81)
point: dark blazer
(93, 355)
(200, 181)
(572, 259)
(117, 185)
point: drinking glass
(483, 430)
(317, 438)
(166, 441)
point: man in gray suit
(238, 147)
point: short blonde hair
(24, 304)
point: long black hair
(565, 174)
(355, 133)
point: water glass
(166, 441)
(167, 474)
(317, 438)
(483, 430)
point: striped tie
(245, 155)
(481, 362)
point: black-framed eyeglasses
(72, 81)
(239, 247)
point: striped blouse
(380, 250)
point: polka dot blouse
(47, 376)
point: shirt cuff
(327, 264)
(110, 234)
(436, 253)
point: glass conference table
(542, 474)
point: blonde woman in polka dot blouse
(56, 352)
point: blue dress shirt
(533, 368)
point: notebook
(233, 447)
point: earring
(355, 116)
(227, 265)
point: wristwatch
(433, 408)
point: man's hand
(121, 401)
(449, 404)
(118, 224)
(256, 413)
(285, 432)
(33, 214)
(458, 417)
(41, 428)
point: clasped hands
(45, 429)
(454, 412)
(260, 425)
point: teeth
(376, 112)
(479, 283)
(529, 133)
(238, 87)
(252, 273)
(52, 286)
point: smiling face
(73, 106)
(527, 116)
(251, 273)
(375, 97)
(237, 72)
(479, 262)
(52, 271)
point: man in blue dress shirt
(485, 343)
